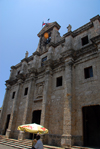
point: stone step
(8, 143)
(26, 144)
(15, 146)
(52, 147)
(14, 143)
(17, 141)
(79, 147)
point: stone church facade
(58, 86)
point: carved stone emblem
(40, 90)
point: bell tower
(49, 34)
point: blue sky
(21, 20)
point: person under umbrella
(39, 144)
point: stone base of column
(66, 140)
(8, 133)
(21, 135)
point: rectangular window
(85, 40)
(59, 81)
(13, 95)
(88, 72)
(26, 91)
(43, 60)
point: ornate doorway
(91, 126)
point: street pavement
(6, 147)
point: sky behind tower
(21, 21)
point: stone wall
(61, 106)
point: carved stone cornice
(95, 40)
(40, 83)
(69, 62)
(86, 50)
(20, 81)
(41, 69)
(48, 71)
(30, 78)
(83, 28)
(68, 34)
(25, 59)
(48, 63)
(68, 53)
(76, 54)
(8, 86)
(95, 18)
(52, 64)
(59, 68)
(13, 67)
(30, 58)
(51, 44)
(57, 62)
(42, 52)
(79, 30)
(32, 70)
(21, 76)
(57, 44)
(36, 53)
(11, 82)
(16, 66)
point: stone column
(46, 98)
(8, 132)
(4, 109)
(21, 133)
(66, 137)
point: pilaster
(46, 98)
(4, 110)
(8, 132)
(66, 137)
(21, 133)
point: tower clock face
(47, 37)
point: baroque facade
(58, 86)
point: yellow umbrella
(33, 128)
